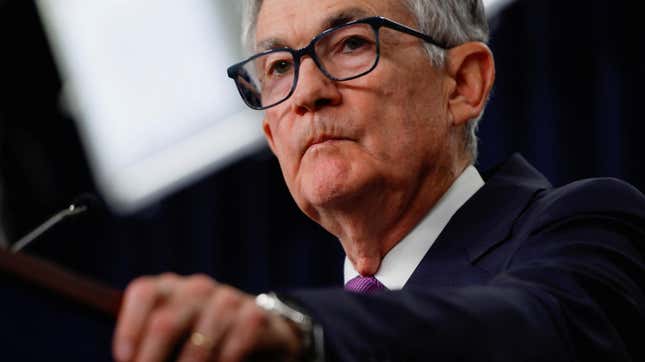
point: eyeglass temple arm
(404, 29)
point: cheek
(406, 134)
(393, 114)
(283, 145)
(393, 88)
(288, 161)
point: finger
(173, 319)
(211, 327)
(245, 335)
(166, 326)
(139, 299)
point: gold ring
(200, 340)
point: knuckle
(203, 278)
(228, 297)
(140, 287)
(199, 284)
(168, 277)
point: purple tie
(365, 285)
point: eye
(279, 67)
(354, 43)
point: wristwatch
(310, 332)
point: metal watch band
(312, 335)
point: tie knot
(366, 285)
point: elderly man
(370, 107)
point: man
(373, 123)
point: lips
(322, 139)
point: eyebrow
(340, 17)
(343, 16)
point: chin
(326, 192)
(342, 193)
(331, 178)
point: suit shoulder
(598, 196)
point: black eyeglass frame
(376, 22)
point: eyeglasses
(341, 53)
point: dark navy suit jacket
(522, 272)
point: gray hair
(451, 22)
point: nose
(314, 90)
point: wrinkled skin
(365, 158)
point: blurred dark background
(568, 97)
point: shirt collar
(400, 262)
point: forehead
(293, 23)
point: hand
(222, 323)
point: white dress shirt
(400, 262)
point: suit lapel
(483, 222)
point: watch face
(271, 303)
(311, 333)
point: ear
(472, 70)
(268, 134)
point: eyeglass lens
(342, 54)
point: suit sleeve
(571, 290)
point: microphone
(80, 205)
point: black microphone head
(89, 202)
(86, 199)
(81, 205)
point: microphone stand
(42, 228)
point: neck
(372, 223)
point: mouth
(324, 139)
